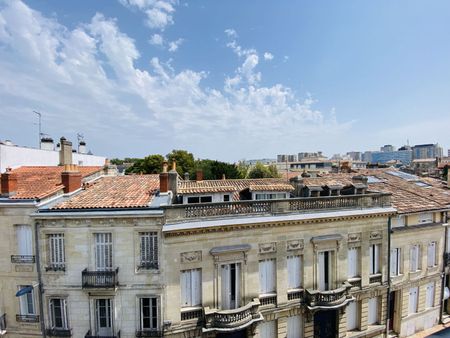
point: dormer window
(199, 199)
(269, 196)
(226, 198)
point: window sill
(397, 278)
(415, 274)
(433, 269)
(294, 294)
(146, 270)
(60, 269)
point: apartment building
(23, 191)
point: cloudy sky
(226, 79)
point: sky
(226, 80)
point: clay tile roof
(37, 182)
(134, 191)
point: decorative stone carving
(376, 235)
(296, 244)
(267, 247)
(191, 257)
(354, 237)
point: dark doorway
(325, 324)
(237, 334)
(391, 311)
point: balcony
(327, 300)
(22, 259)
(270, 299)
(58, 332)
(232, 320)
(56, 267)
(27, 318)
(3, 324)
(149, 333)
(271, 207)
(100, 279)
(90, 335)
(355, 283)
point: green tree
(214, 170)
(151, 164)
(262, 171)
(184, 159)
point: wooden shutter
(185, 288)
(352, 260)
(371, 257)
(294, 327)
(352, 316)
(56, 244)
(394, 262)
(24, 240)
(372, 316)
(268, 329)
(377, 258)
(196, 284)
(293, 267)
(238, 285)
(225, 281)
(103, 251)
(271, 275)
(262, 277)
(413, 295)
(414, 258)
(431, 254)
(429, 301)
(321, 270)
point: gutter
(444, 275)
(112, 213)
(39, 272)
(388, 310)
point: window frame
(56, 260)
(267, 281)
(375, 258)
(25, 301)
(152, 317)
(188, 293)
(398, 259)
(148, 257)
(414, 252)
(433, 258)
(63, 309)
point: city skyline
(143, 77)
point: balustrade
(100, 279)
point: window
(56, 251)
(191, 291)
(353, 262)
(231, 285)
(352, 316)
(374, 256)
(431, 254)
(58, 313)
(199, 199)
(148, 313)
(426, 217)
(294, 327)
(104, 316)
(398, 221)
(24, 240)
(26, 302)
(103, 251)
(414, 258)
(149, 250)
(270, 196)
(429, 297)
(226, 198)
(294, 268)
(413, 300)
(268, 329)
(372, 314)
(267, 277)
(396, 261)
(325, 270)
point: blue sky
(226, 79)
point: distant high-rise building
(387, 148)
(426, 151)
(287, 158)
(355, 155)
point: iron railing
(290, 205)
(149, 333)
(59, 332)
(27, 318)
(375, 279)
(22, 259)
(294, 295)
(148, 266)
(100, 279)
(228, 319)
(191, 314)
(90, 335)
(327, 298)
(55, 267)
(268, 300)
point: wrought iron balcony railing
(329, 298)
(268, 300)
(90, 335)
(22, 259)
(191, 314)
(377, 278)
(148, 266)
(27, 318)
(56, 267)
(296, 294)
(302, 204)
(100, 279)
(226, 320)
(59, 332)
(149, 333)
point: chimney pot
(165, 165)
(174, 165)
(199, 176)
(186, 176)
(223, 177)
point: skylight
(422, 184)
(402, 175)
(373, 179)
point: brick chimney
(8, 183)
(199, 176)
(71, 178)
(164, 179)
(65, 151)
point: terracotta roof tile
(134, 191)
(37, 182)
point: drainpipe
(444, 275)
(388, 304)
(39, 272)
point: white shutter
(414, 257)
(429, 301)
(377, 259)
(371, 255)
(294, 327)
(24, 240)
(56, 243)
(372, 316)
(185, 288)
(293, 267)
(103, 251)
(196, 287)
(271, 274)
(352, 316)
(393, 262)
(268, 329)
(352, 261)
(321, 270)
(238, 285)
(412, 306)
(225, 280)
(431, 254)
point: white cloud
(86, 79)
(156, 40)
(159, 12)
(231, 33)
(173, 45)
(268, 56)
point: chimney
(199, 175)
(164, 179)
(224, 177)
(298, 184)
(8, 183)
(71, 178)
(65, 152)
(173, 180)
(186, 176)
(82, 147)
(47, 143)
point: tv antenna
(40, 132)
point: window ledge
(415, 274)
(433, 269)
(397, 278)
